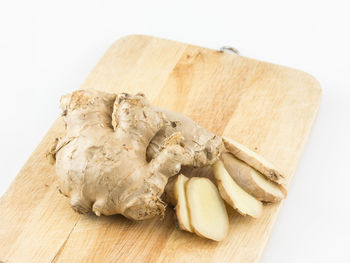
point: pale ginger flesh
(208, 215)
(181, 207)
(253, 159)
(252, 181)
(234, 195)
(101, 162)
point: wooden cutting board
(267, 107)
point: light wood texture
(266, 107)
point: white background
(48, 48)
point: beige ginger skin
(101, 162)
(254, 160)
(202, 148)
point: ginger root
(202, 148)
(119, 152)
(101, 162)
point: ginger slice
(254, 160)
(207, 210)
(181, 208)
(252, 181)
(234, 195)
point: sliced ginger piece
(254, 160)
(234, 195)
(207, 210)
(252, 181)
(181, 203)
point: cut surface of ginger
(252, 181)
(181, 203)
(234, 195)
(267, 185)
(207, 210)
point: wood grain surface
(267, 107)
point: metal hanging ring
(229, 49)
